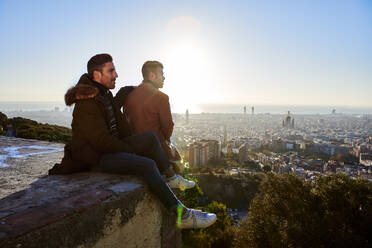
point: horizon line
(230, 104)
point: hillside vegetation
(29, 129)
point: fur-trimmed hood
(84, 89)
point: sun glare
(187, 65)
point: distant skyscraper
(224, 135)
(187, 116)
(245, 109)
(288, 121)
(252, 110)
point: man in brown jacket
(148, 109)
(101, 138)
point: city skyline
(236, 52)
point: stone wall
(79, 210)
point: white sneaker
(197, 219)
(178, 182)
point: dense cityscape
(306, 145)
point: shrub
(335, 211)
(29, 129)
(3, 119)
(218, 235)
(190, 197)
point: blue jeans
(152, 161)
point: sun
(186, 68)
(187, 65)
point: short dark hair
(96, 63)
(150, 66)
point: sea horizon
(207, 108)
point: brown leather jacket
(148, 109)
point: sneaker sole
(181, 188)
(200, 226)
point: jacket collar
(103, 90)
(84, 89)
(145, 81)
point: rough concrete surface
(18, 172)
(79, 210)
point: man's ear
(151, 75)
(97, 76)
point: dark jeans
(145, 144)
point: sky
(222, 52)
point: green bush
(44, 136)
(27, 131)
(30, 129)
(190, 197)
(266, 168)
(232, 191)
(335, 211)
(3, 120)
(220, 234)
(217, 235)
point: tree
(3, 119)
(232, 163)
(335, 211)
(266, 168)
(252, 165)
(214, 162)
(218, 235)
(338, 157)
(190, 197)
(346, 209)
(29, 129)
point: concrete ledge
(86, 210)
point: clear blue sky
(315, 52)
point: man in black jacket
(101, 138)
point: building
(202, 151)
(224, 135)
(328, 149)
(277, 144)
(187, 116)
(243, 153)
(333, 166)
(365, 159)
(288, 121)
